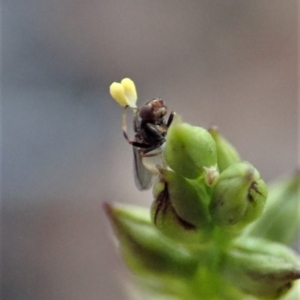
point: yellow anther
(124, 93)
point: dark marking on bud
(283, 289)
(163, 200)
(283, 276)
(186, 225)
(276, 278)
(250, 198)
(254, 186)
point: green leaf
(144, 249)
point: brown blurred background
(230, 63)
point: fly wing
(142, 177)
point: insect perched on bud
(206, 235)
(149, 126)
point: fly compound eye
(146, 113)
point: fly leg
(145, 152)
(170, 119)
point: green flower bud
(180, 208)
(238, 196)
(144, 249)
(261, 268)
(226, 153)
(188, 149)
(280, 221)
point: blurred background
(227, 63)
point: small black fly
(150, 130)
